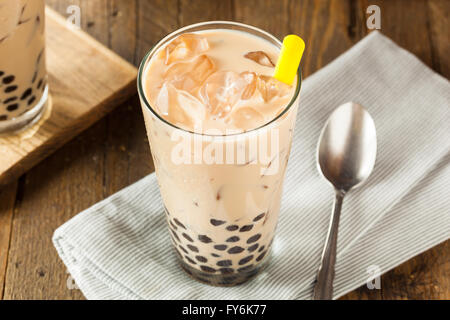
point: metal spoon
(346, 156)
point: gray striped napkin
(120, 247)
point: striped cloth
(120, 248)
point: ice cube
(179, 107)
(247, 117)
(190, 75)
(260, 57)
(222, 90)
(184, 47)
(269, 88)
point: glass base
(28, 118)
(229, 279)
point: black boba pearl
(12, 107)
(26, 94)
(216, 223)
(226, 270)
(262, 248)
(2, 73)
(204, 239)
(262, 215)
(40, 83)
(192, 248)
(245, 260)
(233, 239)
(10, 89)
(3, 117)
(215, 255)
(261, 256)
(246, 268)
(30, 102)
(8, 79)
(221, 247)
(201, 259)
(179, 223)
(175, 235)
(225, 263)
(208, 269)
(232, 227)
(174, 227)
(187, 237)
(253, 247)
(33, 80)
(254, 238)
(190, 260)
(184, 250)
(246, 228)
(235, 250)
(9, 100)
(178, 253)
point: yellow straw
(289, 60)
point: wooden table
(114, 152)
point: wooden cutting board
(86, 81)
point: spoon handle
(323, 289)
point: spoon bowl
(347, 147)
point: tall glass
(222, 215)
(23, 77)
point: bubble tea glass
(221, 216)
(23, 77)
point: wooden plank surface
(86, 81)
(114, 153)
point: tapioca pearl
(26, 94)
(246, 228)
(261, 216)
(221, 247)
(262, 248)
(9, 100)
(232, 227)
(183, 249)
(201, 259)
(192, 248)
(216, 223)
(261, 256)
(174, 227)
(235, 250)
(245, 260)
(35, 74)
(12, 107)
(2, 73)
(254, 238)
(246, 268)
(225, 263)
(187, 237)
(8, 79)
(204, 239)
(10, 89)
(233, 239)
(32, 99)
(190, 260)
(215, 255)
(175, 235)
(3, 117)
(208, 269)
(253, 247)
(178, 253)
(179, 223)
(226, 270)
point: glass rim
(182, 30)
